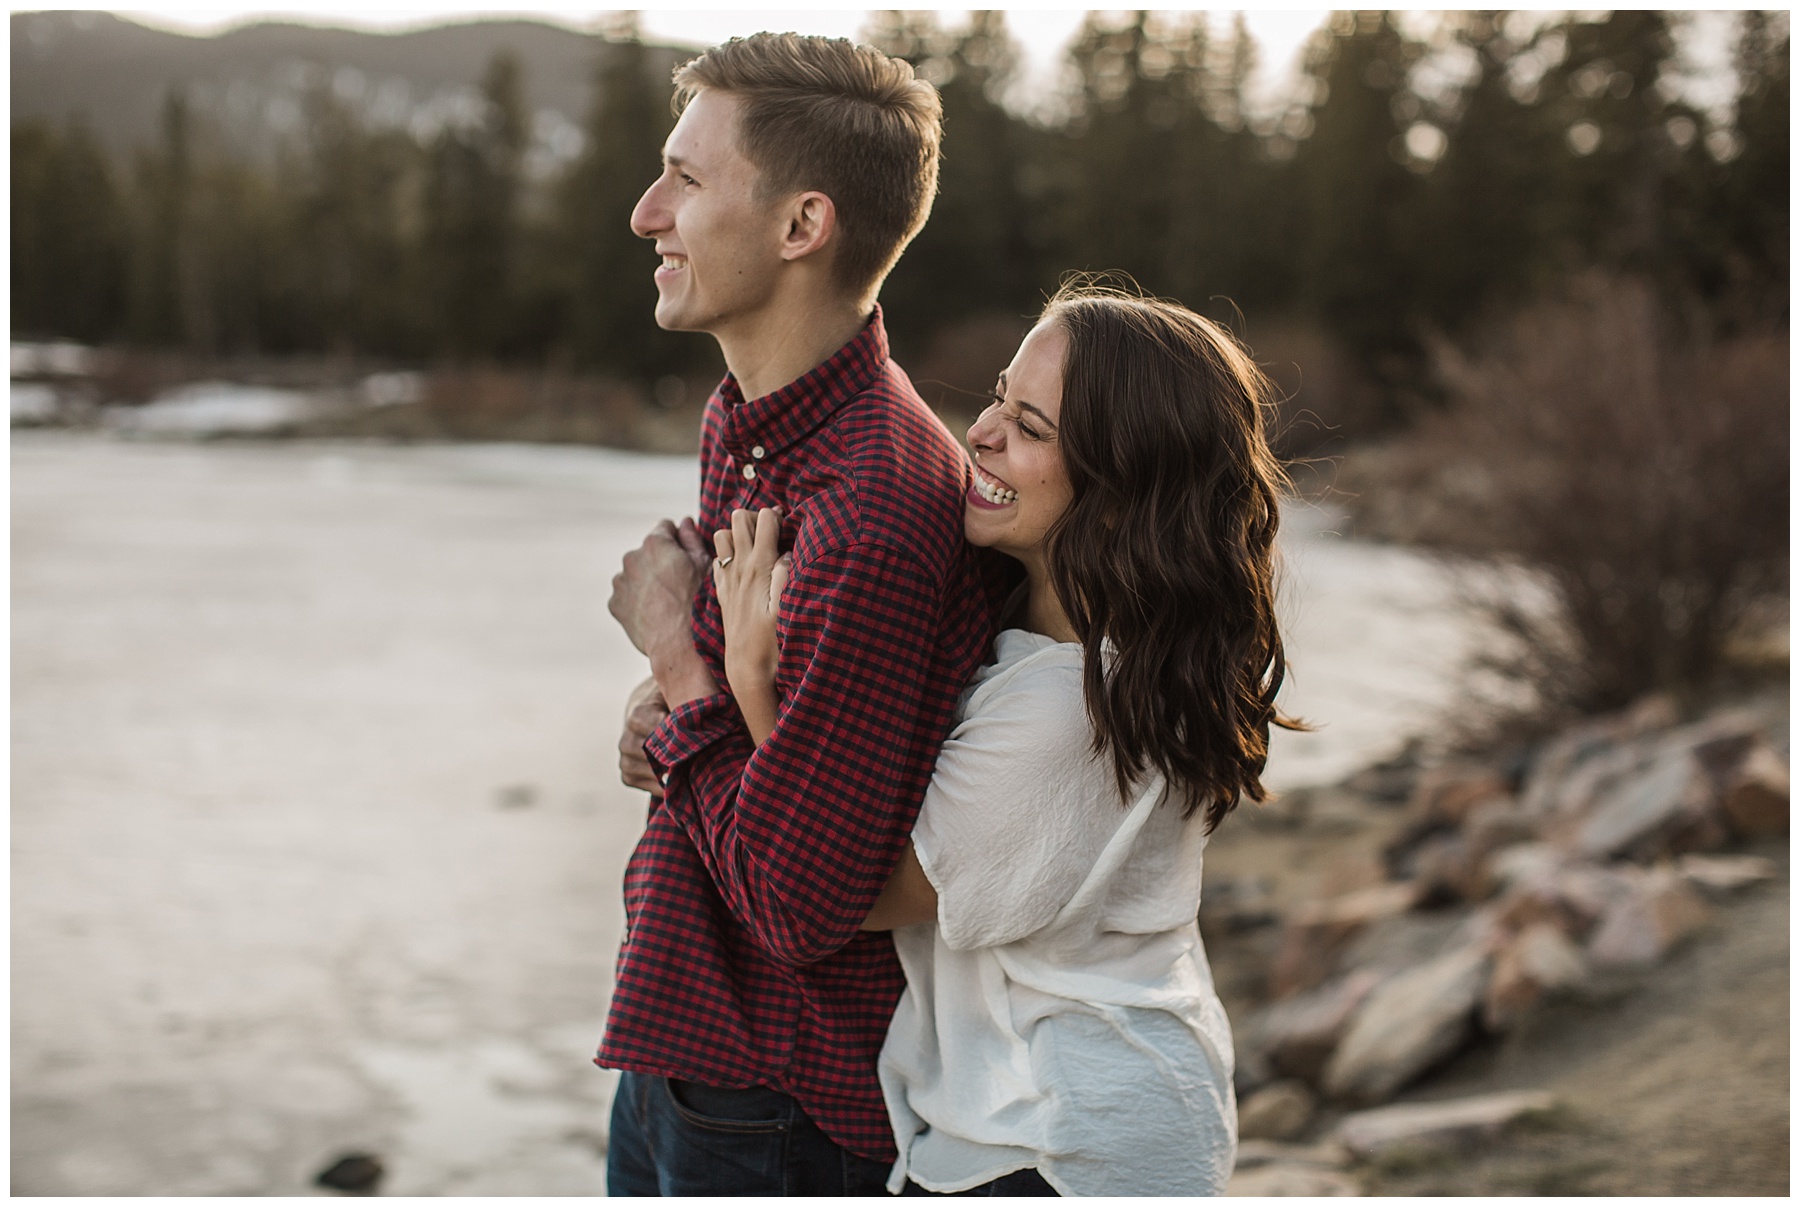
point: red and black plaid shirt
(743, 963)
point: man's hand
(654, 593)
(644, 711)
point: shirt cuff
(689, 730)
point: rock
(1665, 805)
(352, 1173)
(1408, 1024)
(1497, 823)
(1722, 874)
(1329, 1155)
(1438, 865)
(1586, 892)
(1233, 905)
(1277, 1112)
(1640, 928)
(1573, 897)
(1456, 866)
(1566, 771)
(1527, 862)
(1436, 1124)
(1538, 961)
(1400, 856)
(1756, 795)
(516, 796)
(1318, 930)
(1291, 1181)
(1391, 780)
(1447, 794)
(1404, 941)
(1295, 1037)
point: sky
(1042, 32)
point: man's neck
(783, 343)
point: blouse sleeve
(1018, 809)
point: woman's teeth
(993, 492)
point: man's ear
(812, 220)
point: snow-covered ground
(316, 825)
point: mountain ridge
(114, 73)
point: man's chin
(670, 318)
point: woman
(1060, 1032)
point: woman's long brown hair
(1164, 560)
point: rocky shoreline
(1450, 906)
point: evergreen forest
(1428, 175)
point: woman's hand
(750, 574)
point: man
(749, 1006)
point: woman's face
(1021, 487)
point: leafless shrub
(1637, 470)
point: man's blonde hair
(848, 121)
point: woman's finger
(768, 537)
(723, 543)
(743, 531)
(778, 579)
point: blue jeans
(1020, 1184)
(681, 1138)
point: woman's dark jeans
(1024, 1183)
(682, 1138)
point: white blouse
(1059, 1014)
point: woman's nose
(985, 432)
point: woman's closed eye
(1017, 418)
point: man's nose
(649, 217)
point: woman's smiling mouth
(993, 489)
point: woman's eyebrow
(1023, 405)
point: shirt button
(759, 452)
(749, 471)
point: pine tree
(356, 277)
(472, 193)
(1617, 166)
(1360, 204)
(68, 235)
(607, 270)
(977, 253)
(159, 305)
(1490, 199)
(1750, 201)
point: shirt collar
(777, 420)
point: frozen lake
(317, 829)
